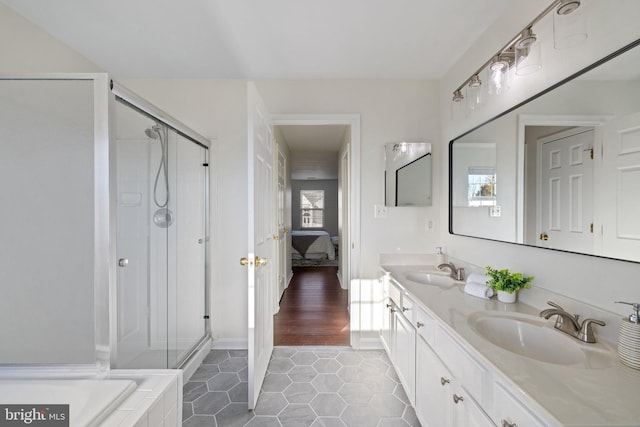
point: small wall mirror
(407, 174)
(559, 171)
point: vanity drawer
(471, 374)
(426, 325)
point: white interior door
(132, 249)
(344, 246)
(619, 188)
(281, 233)
(565, 197)
(261, 257)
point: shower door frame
(120, 94)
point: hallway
(313, 310)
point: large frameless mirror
(559, 171)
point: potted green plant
(507, 284)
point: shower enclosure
(104, 235)
(161, 236)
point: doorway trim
(352, 120)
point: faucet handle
(586, 331)
(553, 304)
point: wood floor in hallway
(313, 309)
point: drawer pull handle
(419, 324)
(506, 423)
(393, 310)
(404, 309)
(388, 305)
(457, 399)
(444, 380)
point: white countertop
(575, 395)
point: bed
(312, 245)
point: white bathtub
(90, 401)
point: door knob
(457, 399)
(122, 262)
(244, 261)
(260, 261)
(544, 236)
(276, 237)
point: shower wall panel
(47, 222)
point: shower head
(153, 132)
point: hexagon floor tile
(305, 386)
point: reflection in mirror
(475, 175)
(566, 165)
(408, 174)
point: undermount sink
(536, 338)
(430, 278)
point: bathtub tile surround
(304, 386)
(155, 402)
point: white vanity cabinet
(433, 388)
(399, 336)
(443, 380)
(405, 354)
(442, 398)
(387, 316)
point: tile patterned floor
(304, 387)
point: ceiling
(275, 39)
(300, 39)
(314, 150)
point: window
(482, 186)
(311, 208)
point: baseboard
(194, 362)
(289, 279)
(230, 344)
(371, 344)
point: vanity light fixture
(523, 50)
(528, 57)
(474, 93)
(498, 72)
(569, 25)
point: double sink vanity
(467, 361)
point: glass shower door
(186, 286)
(161, 234)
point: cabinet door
(467, 413)
(508, 410)
(433, 388)
(386, 333)
(405, 354)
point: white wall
(28, 49)
(592, 280)
(390, 111)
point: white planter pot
(507, 297)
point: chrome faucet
(456, 273)
(570, 324)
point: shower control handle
(122, 262)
